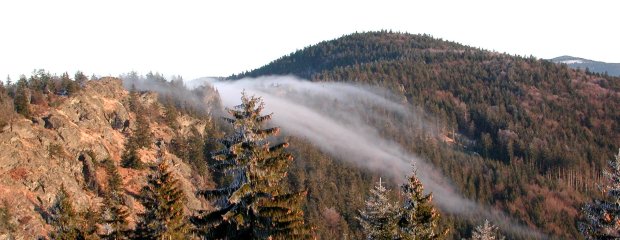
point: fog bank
(335, 117)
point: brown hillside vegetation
(56, 144)
(533, 136)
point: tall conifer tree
(130, 157)
(65, 218)
(91, 221)
(115, 212)
(141, 136)
(253, 205)
(21, 100)
(379, 219)
(419, 219)
(163, 202)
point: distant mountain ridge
(612, 69)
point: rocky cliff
(64, 144)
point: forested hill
(354, 49)
(480, 92)
(532, 131)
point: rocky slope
(65, 144)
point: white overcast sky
(219, 38)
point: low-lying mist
(340, 119)
(336, 116)
(198, 97)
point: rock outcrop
(65, 146)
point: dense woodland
(530, 138)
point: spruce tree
(130, 157)
(115, 213)
(170, 116)
(114, 179)
(90, 224)
(601, 219)
(163, 202)
(253, 205)
(142, 136)
(80, 78)
(379, 219)
(134, 103)
(419, 219)
(64, 218)
(21, 100)
(212, 133)
(68, 86)
(486, 231)
(115, 218)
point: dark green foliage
(41, 88)
(212, 133)
(130, 157)
(7, 224)
(170, 116)
(253, 205)
(114, 179)
(419, 219)
(190, 148)
(91, 221)
(195, 153)
(65, 219)
(21, 99)
(80, 78)
(68, 87)
(115, 213)
(330, 183)
(163, 202)
(521, 124)
(142, 136)
(134, 101)
(349, 50)
(415, 219)
(115, 217)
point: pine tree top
(65, 217)
(419, 219)
(486, 231)
(163, 200)
(253, 204)
(379, 218)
